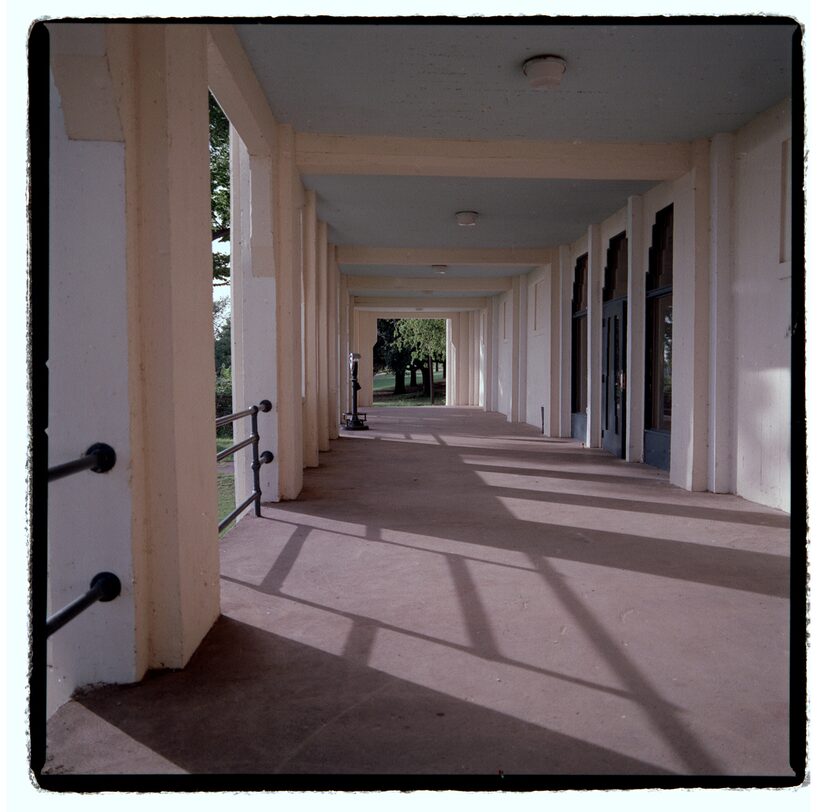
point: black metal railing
(104, 586)
(259, 459)
(99, 458)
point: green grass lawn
(383, 385)
(225, 497)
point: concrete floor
(453, 594)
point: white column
(552, 417)
(334, 333)
(311, 441)
(566, 282)
(366, 338)
(490, 357)
(90, 516)
(253, 329)
(171, 340)
(322, 337)
(453, 328)
(289, 280)
(635, 353)
(596, 267)
(516, 355)
(690, 330)
(523, 318)
(721, 469)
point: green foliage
(386, 353)
(220, 188)
(424, 338)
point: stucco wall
(538, 346)
(89, 514)
(762, 297)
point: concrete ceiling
(624, 83)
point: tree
(220, 190)
(426, 340)
(388, 355)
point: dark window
(659, 323)
(579, 337)
(615, 281)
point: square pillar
(690, 329)
(310, 333)
(636, 338)
(171, 337)
(596, 268)
(323, 325)
(253, 328)
(288, 315)
(334, 354)
(721, 468)
(566, 282)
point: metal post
(354, 423)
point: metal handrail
(259, 459)
(104, 587)
(99, 458)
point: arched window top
(659, 274)
(580, 291)
(615, 279)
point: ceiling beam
(425, 303)
(360, 255)
(319, 154)
(441, 283)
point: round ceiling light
(466, 218)
(441, 269)
(544, 71)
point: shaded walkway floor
(453, 594)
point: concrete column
(311, 434)
(332, 341)
(495, 345)
(566, 282)
(94, 520)
(721, 468)
(635, 354)
(366, 338)
(288, 313)
(596, 266)
(253, 328)
(171, 336)
(350, 339)
(472, 358)
(516, 355)
(488, 331)
(523, 319)
(481, 321)
(322, 337)
(463, 359)
(453, 322)
(690, 329)
(553, 405)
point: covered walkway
(456, 594)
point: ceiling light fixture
(544, 71)
(466, 218)
(442, 269)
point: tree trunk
(413, 381)
(400, 381)
(431, 382)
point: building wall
(538, 346)
(762, 302)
